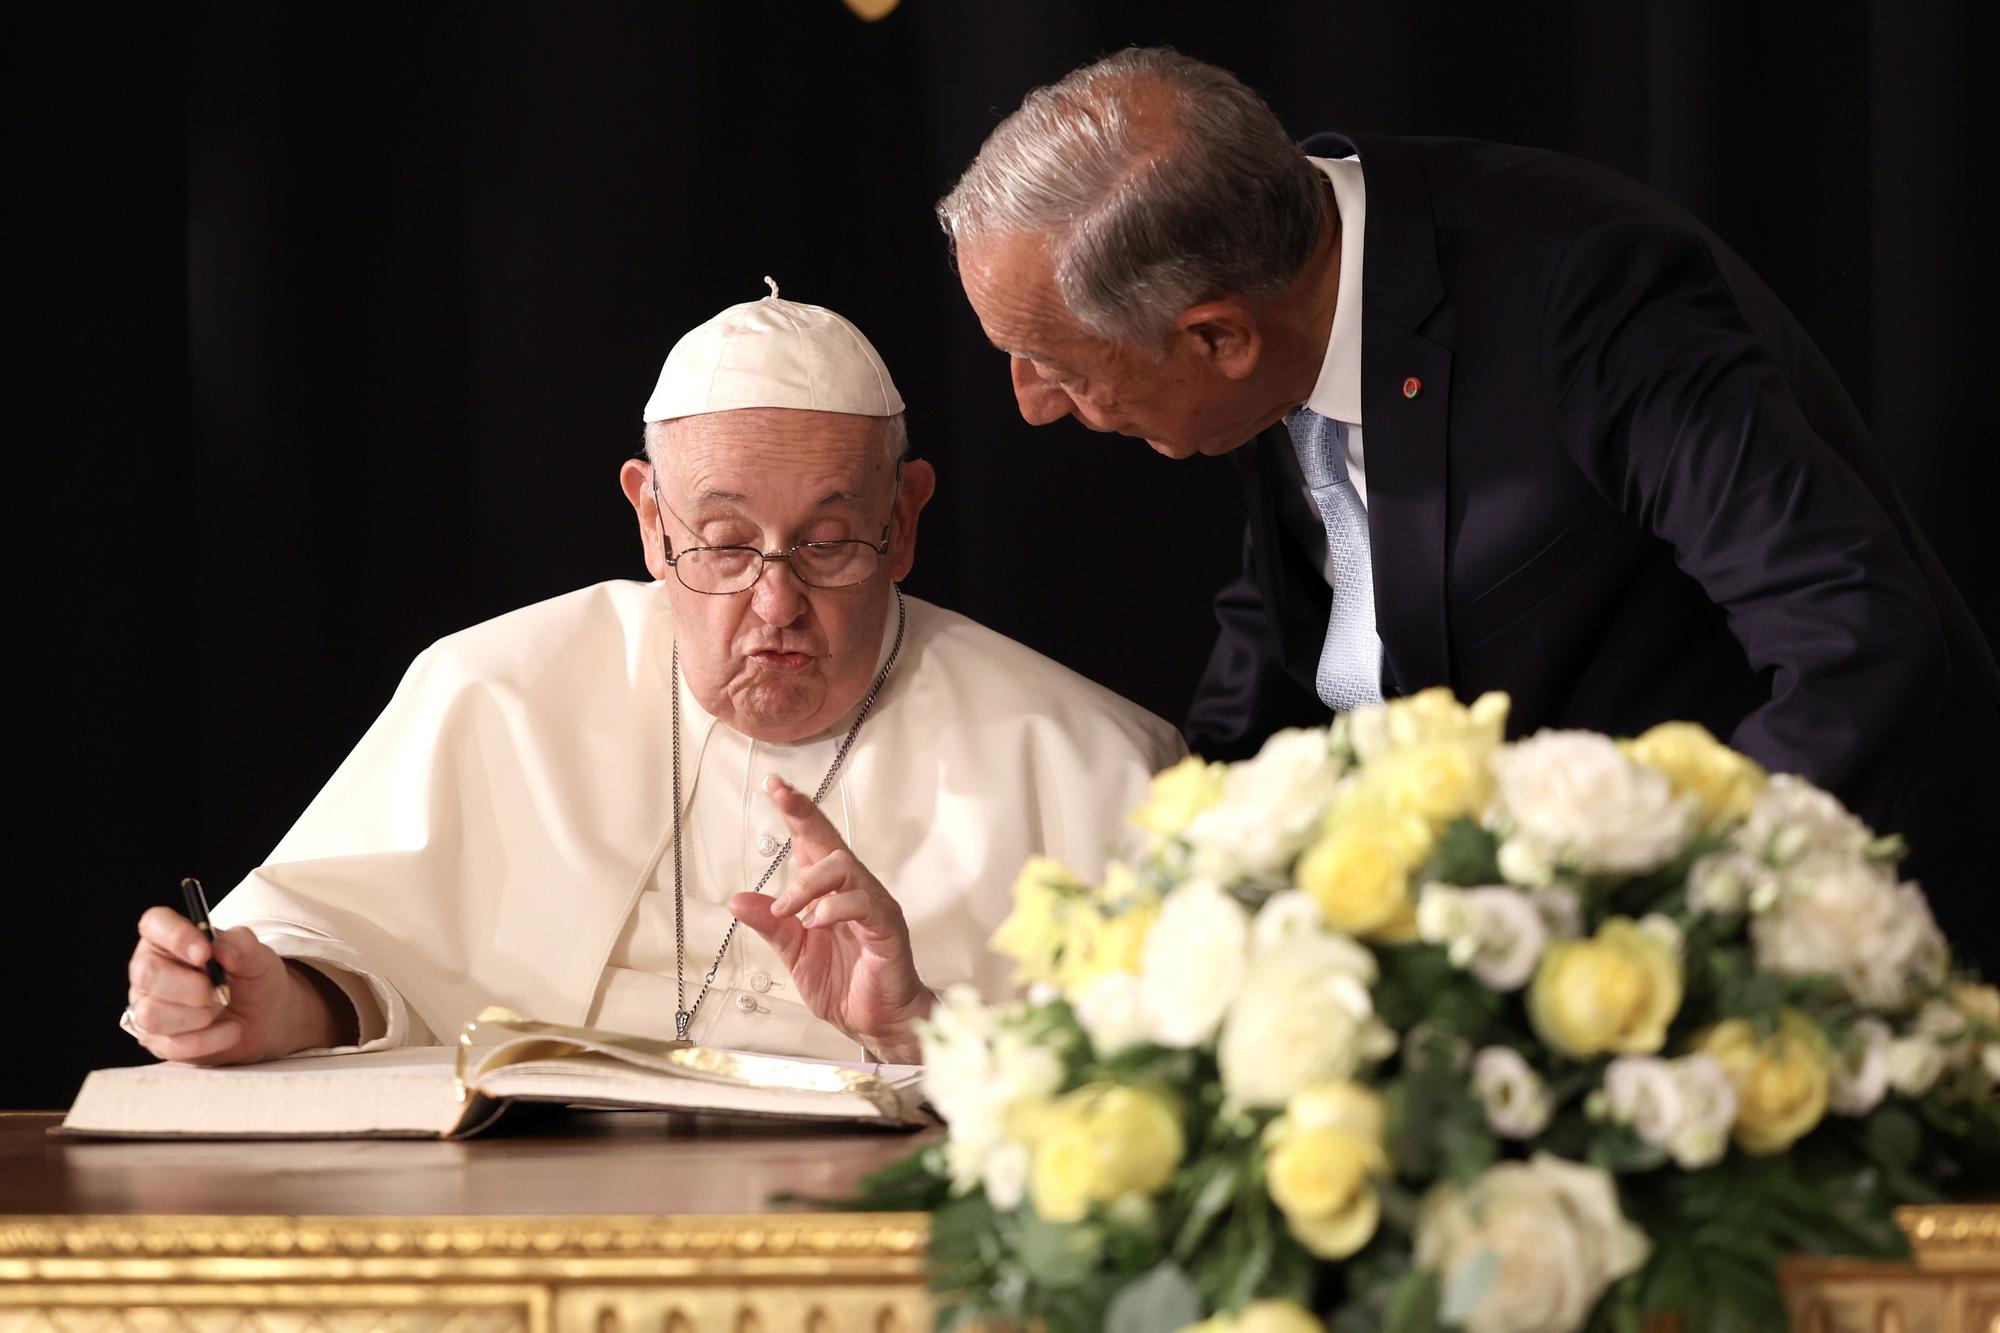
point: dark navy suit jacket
(1628, 489)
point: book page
(403, 1093)
(596, 1079)
(676, 1075)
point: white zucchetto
(774, 353)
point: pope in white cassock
(601, 809)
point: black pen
(197, 912)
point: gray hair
(895, 438)
(1143, 220)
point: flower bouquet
(1401, 1027)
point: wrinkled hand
(273, 1010)
(841, 935)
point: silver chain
(683, 1011)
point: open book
(450, 1092)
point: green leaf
(1466, 855)
(1894, 1136)
(1209, 1201)
(1162, 1299)
(1057, 1254)
(1413, 1305)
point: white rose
(1496, 933)
(1915, 1065)
(1517, 1102)
(1861, 1075)
(1304, 1016)
(1005, 1175)
(1642, 1092)
(1287, 915)
(1576, 793)
(959, 1081)
(1112, 1010)
(1685, 1106)
(1847, 920)
(1528, 1248)
(1728, 882)
(1444, 918)
(1793, 819)
(1024, 1069)
(1708, 1111)
(1269, 809)
(1527, 861)
(975, 1070)
(1193, 962)
(1560, 909)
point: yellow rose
(1613, 994)
(1276, 1317)
(1178, 794)
(1359, 874)
(1781, 1081)
(1032, 934)
(1438, 782)
(1325, 1153)
(1725, 783)
(1098, 1143)
(1063, 1175)
(1268, 1316)
(1427, 717)
(1981, 1004)
(1094, 944)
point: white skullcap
(774, 353)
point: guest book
(452, 1091)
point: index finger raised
(813, 834)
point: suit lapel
(1403, 443)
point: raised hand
(274, 1008)
(841, 935)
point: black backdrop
(333, 323)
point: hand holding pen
(216, 998)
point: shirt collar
(1337, 395)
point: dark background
(333, 322)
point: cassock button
(747, 1003)
(1412, 387)
(760, 982)
(766, 844)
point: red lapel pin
(1412, 387)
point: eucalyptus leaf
(1056, 1254)
(1162, 1299)
(1466, 1285)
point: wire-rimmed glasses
(719, 571)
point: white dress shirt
(1337, 394)
(503, 833)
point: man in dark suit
(1507, 421)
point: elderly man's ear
(919, 484)
(636, 480)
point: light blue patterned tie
(1350, 662)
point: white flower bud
(1517, 1102)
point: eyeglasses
(718, 571)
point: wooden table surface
(532, 1162)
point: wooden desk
(603, 1223)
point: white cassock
(503, 833)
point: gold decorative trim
(845, 1246)
(1953, 1236)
